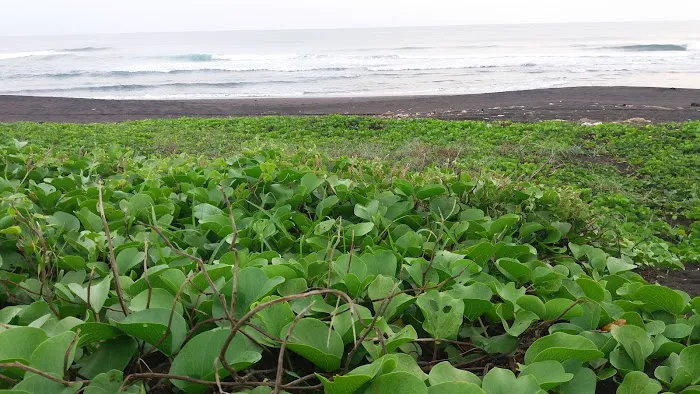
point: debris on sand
(393, 115)
(588, 122)
(637, 121)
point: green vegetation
(346, 254)
(642, 181)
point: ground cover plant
(286, 270)
(643, 179)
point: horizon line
(347, 28)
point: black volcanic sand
(687, 280)
(591, 104)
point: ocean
(352, 62)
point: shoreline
(578, 104)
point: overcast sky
(40, 17)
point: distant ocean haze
(352, 62)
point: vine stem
(365, 333)
(259, 307)
(145, 274)
(41, 373)
(280, 358)
(110, 246)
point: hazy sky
(39, 17)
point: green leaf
(592, 289)
(313, 340)
(72, 263)
(98, 292)
(325, 205)
(276, 316)
(428, 191)
(690, 359)
(635, 341)
(514, 270)
(355, 379)
(660, 298)
(638, 383)
(443, 314)
(160, 298)
(253, 285)
(380, 288)
(549, 374)
(367, 212)
(530, 228)
(64, 221)
(9, 313)
(503, 381)
(359, 229)
(151, 325)
(556, 307)
(533, 304)
(381, 262)
(616, 265)
(12, 230)
(476, 298)
(18, 344)
(110, 383)
(523, 320)
(397, 382)
(128, 259)
(444, 372)
(95, 332)
(455, 388)
(112, 354)
(403, 363)
(444, 207)
(393, 341)
(561, 347)
(324, 226)
(310, 182)
(196, 359)
(36, 384)
(51, 354)
(502, 223)
(677, 331)
(583, 382)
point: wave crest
(86, 49)
(194, 57)
(652, 48)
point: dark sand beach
(587, 104)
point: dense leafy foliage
(270, 272)
(642, 179)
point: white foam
(19, 55)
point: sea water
(352, 62)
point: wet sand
(587, 104)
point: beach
(581, 104)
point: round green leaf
(150, 325)
(443, 314)
(160, 298)
(128, 259)
(549, 374)
(503, 381)
(561, 347)
(18, 344)
(638, 383)
(316, 342)
(397, 382)
(113, 354)
(196, 359)
(444, 372)
(660, 298)
(455, 388)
